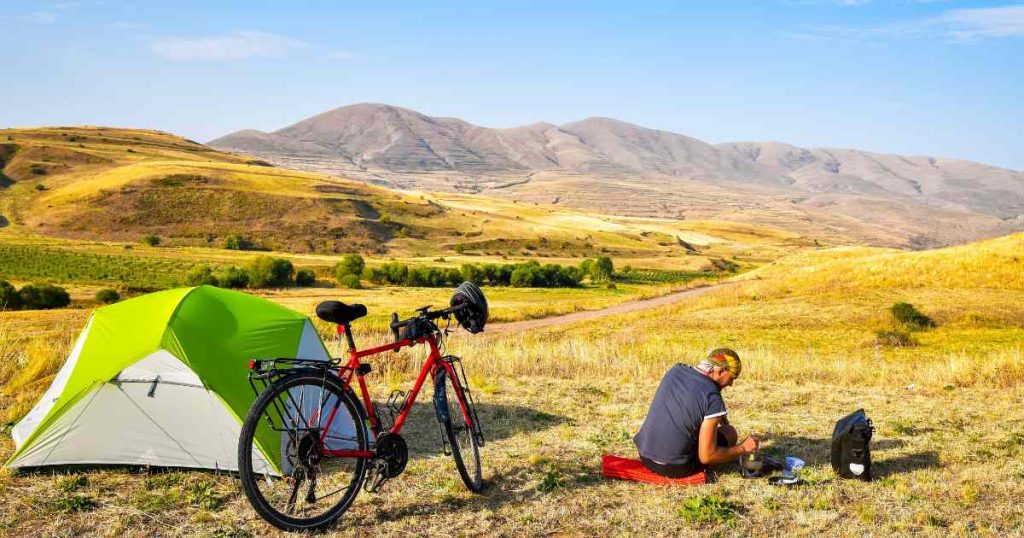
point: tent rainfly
(161, 379)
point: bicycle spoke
(315, 487)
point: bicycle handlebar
(424, 314)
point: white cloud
(49, 14)
(340, 54)
(953, 25)
(126, 25)
(236, 46)
(1007, 21)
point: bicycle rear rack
(266, 371)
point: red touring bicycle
(309, 444)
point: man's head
(722, 365)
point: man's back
(684, 399)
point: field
(948, 408)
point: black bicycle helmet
(473, 317)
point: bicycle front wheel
(294, 451)
(456, 416)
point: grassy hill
(93, 183)
(818, 315)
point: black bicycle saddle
(339, 312)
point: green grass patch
(31, 262)
(708, 509)
(67, 504)
(551, 481)
(72, 483)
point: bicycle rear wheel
(462, 438)
(287, 472)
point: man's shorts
(669, 470)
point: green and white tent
(161, 379)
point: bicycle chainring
(393, 451)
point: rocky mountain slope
(922, 201)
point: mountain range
(623, 168)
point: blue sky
(938, 78)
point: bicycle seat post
(348, 336)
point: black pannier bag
(851, 446)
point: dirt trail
(623, 308)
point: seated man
(687, 428)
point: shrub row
(261, 272)
(352, 268)
(32, 297)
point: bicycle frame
(354, 367)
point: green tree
(305, 278)
(603, 269)
(151, 240)
(201, 275)
(43, 296)
(234, 278)
(472, 273)
(350, 281)
(9, 297)
(268, 272)
(237, 242)
(350, 264)
(107, 296)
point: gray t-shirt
(684, 399)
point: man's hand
(749, 445)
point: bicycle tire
(461, 438)
(279, 391)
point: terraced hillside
(94, 183)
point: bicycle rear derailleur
(392, 456)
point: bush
(350, 281)
(201, 275)
(40, 187)
(472, 273)
(43, 297)
(910, 316)
(305, 278)
(350, 264)
(894, 338)
(234, 278)
(107, 296)
(151, 240)
(237, 242)
(268, 272)
(9, 298)
(459, 248)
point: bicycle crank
(392, 457)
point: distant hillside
(96, 183)
(611, 165)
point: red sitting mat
(630, 469)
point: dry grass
(954, 470)
(950, 414)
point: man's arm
(707, 444)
